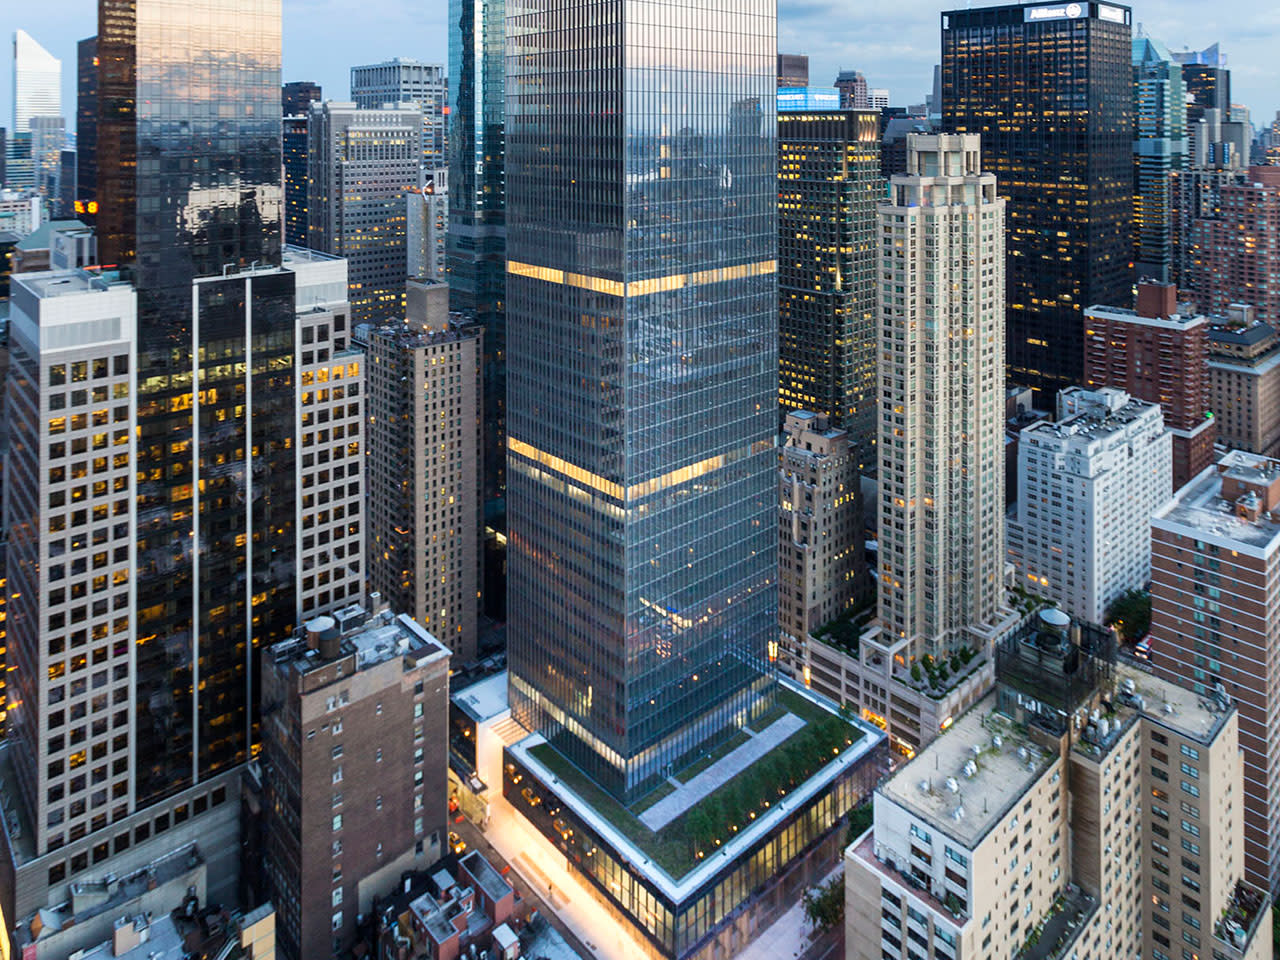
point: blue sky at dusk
(894, 44)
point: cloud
(893, 42)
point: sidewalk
(545, 870)
(543, 867)
(790, 936)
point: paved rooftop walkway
(720, 772)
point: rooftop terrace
(965, 780)
(674, 857)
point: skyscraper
(424, 467)
(361, 166)
(1234, 249)
(793, 70)
(37, 92)
(941, 437)
(1088, 483)
(408, 81)
(828, 186)
(477, 240)
(37, 82)
(642, 370)
(294, 143)
(193, 544)
(1060, 145)
(1159, 147)
(853, 90)
(86, 128)
(1208, 81)
(1215, 604)
(48, 137)
(1156, 353)
(218, 496)
(297, 96)
(295, 102)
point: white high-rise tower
(941, 439)
(37, 82)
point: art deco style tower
(642, 370)
(1059, 140)
(941, 438)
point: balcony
(1239, 921)
(1054, 936)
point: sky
(894, 44)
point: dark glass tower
(828, 186)
(295, 147)
(1208, 82)
(86, 127)
(476, 243)
(642, 370)
(1050, 89)
(297, 96)
(190, 201)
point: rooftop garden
(934, 676)
(1058, 929)
(844, 631)
(714, 820)
(1026, 601)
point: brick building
(355, 757)
(1234, 250)
(1156, 353)
(1215, 622)
(1244, 382)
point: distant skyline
(895, 45)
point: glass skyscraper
(642, 374)
(1050, 89)
(1159, 148)
(828, 186)
(475, 256)
(86, 126)
(188, 193)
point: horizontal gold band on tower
(596, 482)
(641, 288)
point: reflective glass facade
(190, 187)
(828, 186)
(295, 179)
(476, 253)
(86, 125)
(1159, 147)
(1050, 89)
(642, 370)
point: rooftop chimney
(1157, 301)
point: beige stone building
(942, 600)
(1108, 829)
(1215, 622)
(821, 572)
(331, 427)
(424, 409)
(941, 369)
(1244, 383)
